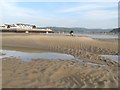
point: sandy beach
(43, 73)
(57, 74)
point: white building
(17, 26)
(3, 26)
(23, 27)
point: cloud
(12, 13)
(71, 15)
(94, 11)
(89, 7)
(11, 9)
(101, 15)
(63, 0)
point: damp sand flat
(43, 73)
(59, 73)
(37, 41)
(80, 47)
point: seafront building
(23, 28)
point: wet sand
(59, 73)
(80, 47)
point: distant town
(28, 28)
(23, 28)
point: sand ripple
(57, 74)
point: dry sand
(60, 73)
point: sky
(92, 14)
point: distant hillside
(116, 30)
(77, 29)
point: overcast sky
(92, 14)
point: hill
(116, 30)
(76, 29)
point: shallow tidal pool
(27, 56)
(112, 57)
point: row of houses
(23, 28)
